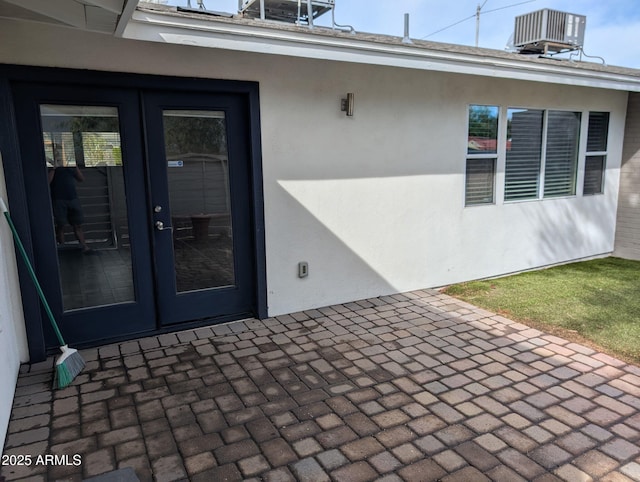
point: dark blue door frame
(12, 77)
(235, 298)
(97, 323)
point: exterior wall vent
(548, 30)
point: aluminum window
(524, 154)
(541, 153)
(561, 157)
(482, 152)
(596, 156)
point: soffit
(105, 16)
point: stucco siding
(628, 225)
(374, 203)
(13, 341)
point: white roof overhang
(256, 36)
(104, 16)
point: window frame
(491, 155)
(592, 154)
(575, 159)
(494, 161)
(543, 144)
(498, 157)
(541, 174)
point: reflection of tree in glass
(483, 129)
(90, 140)
(93, 124)
(483, 121)
(203, 135)
(97, 139)
(101, 149)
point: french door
(201, 205)
(140, 207)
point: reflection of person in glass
(64, 198)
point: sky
(612, 31)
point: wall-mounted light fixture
(348, 104)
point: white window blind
(596, 159)
(598, 131)
(594, 174)
(563, 134)
(479, 184)
(524, 153)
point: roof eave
(246, 37)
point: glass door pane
(88, 205)
(199, 198)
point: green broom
(70, 363)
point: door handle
(161, 227)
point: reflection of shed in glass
(197, 173)
(200, 203)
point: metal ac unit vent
(548, 30)
(284, 10)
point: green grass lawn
(595, 302)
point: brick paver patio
(413, 387)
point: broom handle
(32, 273)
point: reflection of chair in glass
(181, 228)
(201, 226)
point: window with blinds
(482, 152)
(480, 181)
(594, 175)
(561, 159)
(596, 157)
(542, 153)
(524, 154)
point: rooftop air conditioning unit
(284, 10)
(549, 30)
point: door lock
(161, 227)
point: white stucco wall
(374, 203)
(13, 339)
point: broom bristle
(68, 366)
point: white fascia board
(172, 29)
